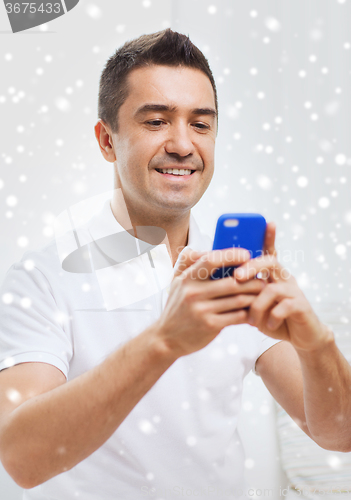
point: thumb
(269, 240)
(187, 259)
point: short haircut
(166, 48)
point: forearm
(53, 432)
(327, 396)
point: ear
(103, 135)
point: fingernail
(239, 273)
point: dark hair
(167, 47)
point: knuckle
(241, 301)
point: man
(106, 398)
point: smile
(175, 172)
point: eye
(155, 123)
(201, 126)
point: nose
(179, 140)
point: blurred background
(283, 73)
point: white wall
(285, 122)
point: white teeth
(176, 171)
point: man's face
(167, 121)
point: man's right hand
(199, 308)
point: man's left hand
(281, 310)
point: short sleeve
(266, 343)
(31, 324)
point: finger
(213, 289)
(205, 266)
(280, 313)
(269, 240)
(228, 304)
(267, 265)
(186, 259)
(266, 300)
(231, 318)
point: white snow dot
(302, 73)
(316, 34)
(314, 117)
(272, 24)
(185, 405)
(11, 90)
(146, 427)
(324, 202)
(334, 461)
(191, 441)
(48, 231)
(340, 250)
(28, 265)
(120, 28)
(260, 95)
(146, 4)
(253, 13)
(232, 349)
(266, 126)
(264, 409)
(13, 395)
(312, 58)
(249, 463)
(348, 217)
(86, 287)
(247, 406)
(48, 58)
(264, 182)
(2, 99)
(347, 45)
(8, 57)
(212, 9)
(59, 142)
(269, 150)
(340, 159)
(341, 1)
(11, 201)
(278, 120)
(26, 302)
(253, 71)
(325, 70)
(1, 183)
(302, 181)
(39, 71)
(266, 39)
(22, 241)
(237, 136)
(93, 11)
(7, 298)
(308, 104)
(62, 104)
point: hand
(281, 310)
(199, 308)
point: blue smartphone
(239, 231)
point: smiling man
(122, 394)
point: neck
(175, 226)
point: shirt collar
(105, 224)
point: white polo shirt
(181, 438)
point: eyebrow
(171, 109)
